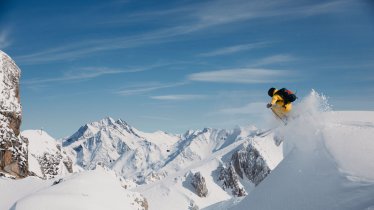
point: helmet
(271, 92)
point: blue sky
(178, 65)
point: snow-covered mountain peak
(40, 141)
(106, 126)
(107, 121)
(188, 133)
(121, 122)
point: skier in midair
(281, 102)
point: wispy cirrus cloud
(274, 59)
(228, 11)
(182, 97)
(83, 73)
(244, 75)
(4, 39)
(190, 19)
(235, 49)
(148, 87)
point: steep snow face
(46, 157)
(94, 190)
(329, 163)
(349, 139)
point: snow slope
(330, 165)
(94, 190)
(47, 158)
(13, 190)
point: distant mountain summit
(108, 141)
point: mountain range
(226, 159)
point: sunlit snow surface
(330, 164)
(91, 190)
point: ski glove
(268, 105)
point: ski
(264, 133)
(281, 119)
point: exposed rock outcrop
(230, 180)
(13, 147)
(142, 202)
(248, 162)
(198, 182)
(52, 164)
(245, 163)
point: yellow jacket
(278, 102)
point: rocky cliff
(13, 147)
(245, 163)
(198, 182)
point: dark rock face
(245, 163)
(198, 182)
(50, 164)
(248, 162)
(230, 180)
(13, 147)
(68, 164)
